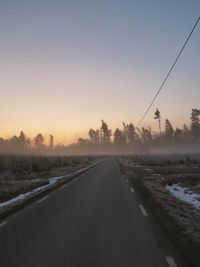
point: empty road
(95, 220)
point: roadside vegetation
(174, 183)
(20, 174)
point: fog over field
(128, 140)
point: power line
(177, 58)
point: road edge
(187, 249)
(19, 206)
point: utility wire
(177, 58)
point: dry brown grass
(187, 216)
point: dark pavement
(93, 221)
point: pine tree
(169, 131)
(119, 137)
(106, 133)
(195, 123)
(158, 117)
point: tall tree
(146, 135)
(97, 136)
(119, 137)
(195, 123)
(158, 117)
(132, 135)
(105, 133)
(39, 142)
(169, 131)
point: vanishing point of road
(95, 220)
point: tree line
(24, 145)
(128, 139)
(131, 139)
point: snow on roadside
(27, 195)
(51, 181)
(54, 180)
(184, 194)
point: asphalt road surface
(95, 220)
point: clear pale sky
(65, 65)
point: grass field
(20, 174)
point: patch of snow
(51, 182)
(14, 200)
(184, 194)
(27, 195)
(54, 180)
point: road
(95, 220)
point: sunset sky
(65, 65)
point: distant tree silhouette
(158, 117)
(119, 138)
(195, 123)
(130, 133)
(51, 141)
(146, 135)
(22, 142)
(82, 142)
(185, 132)
(169, 131)
(97, 136)
(39, 142)
(14, 144)
(125, 131)
(130, 140)
(105, 133)
(28, 144)
(178, 134)
(3, 146)
(94, 136)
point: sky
(65, 65)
